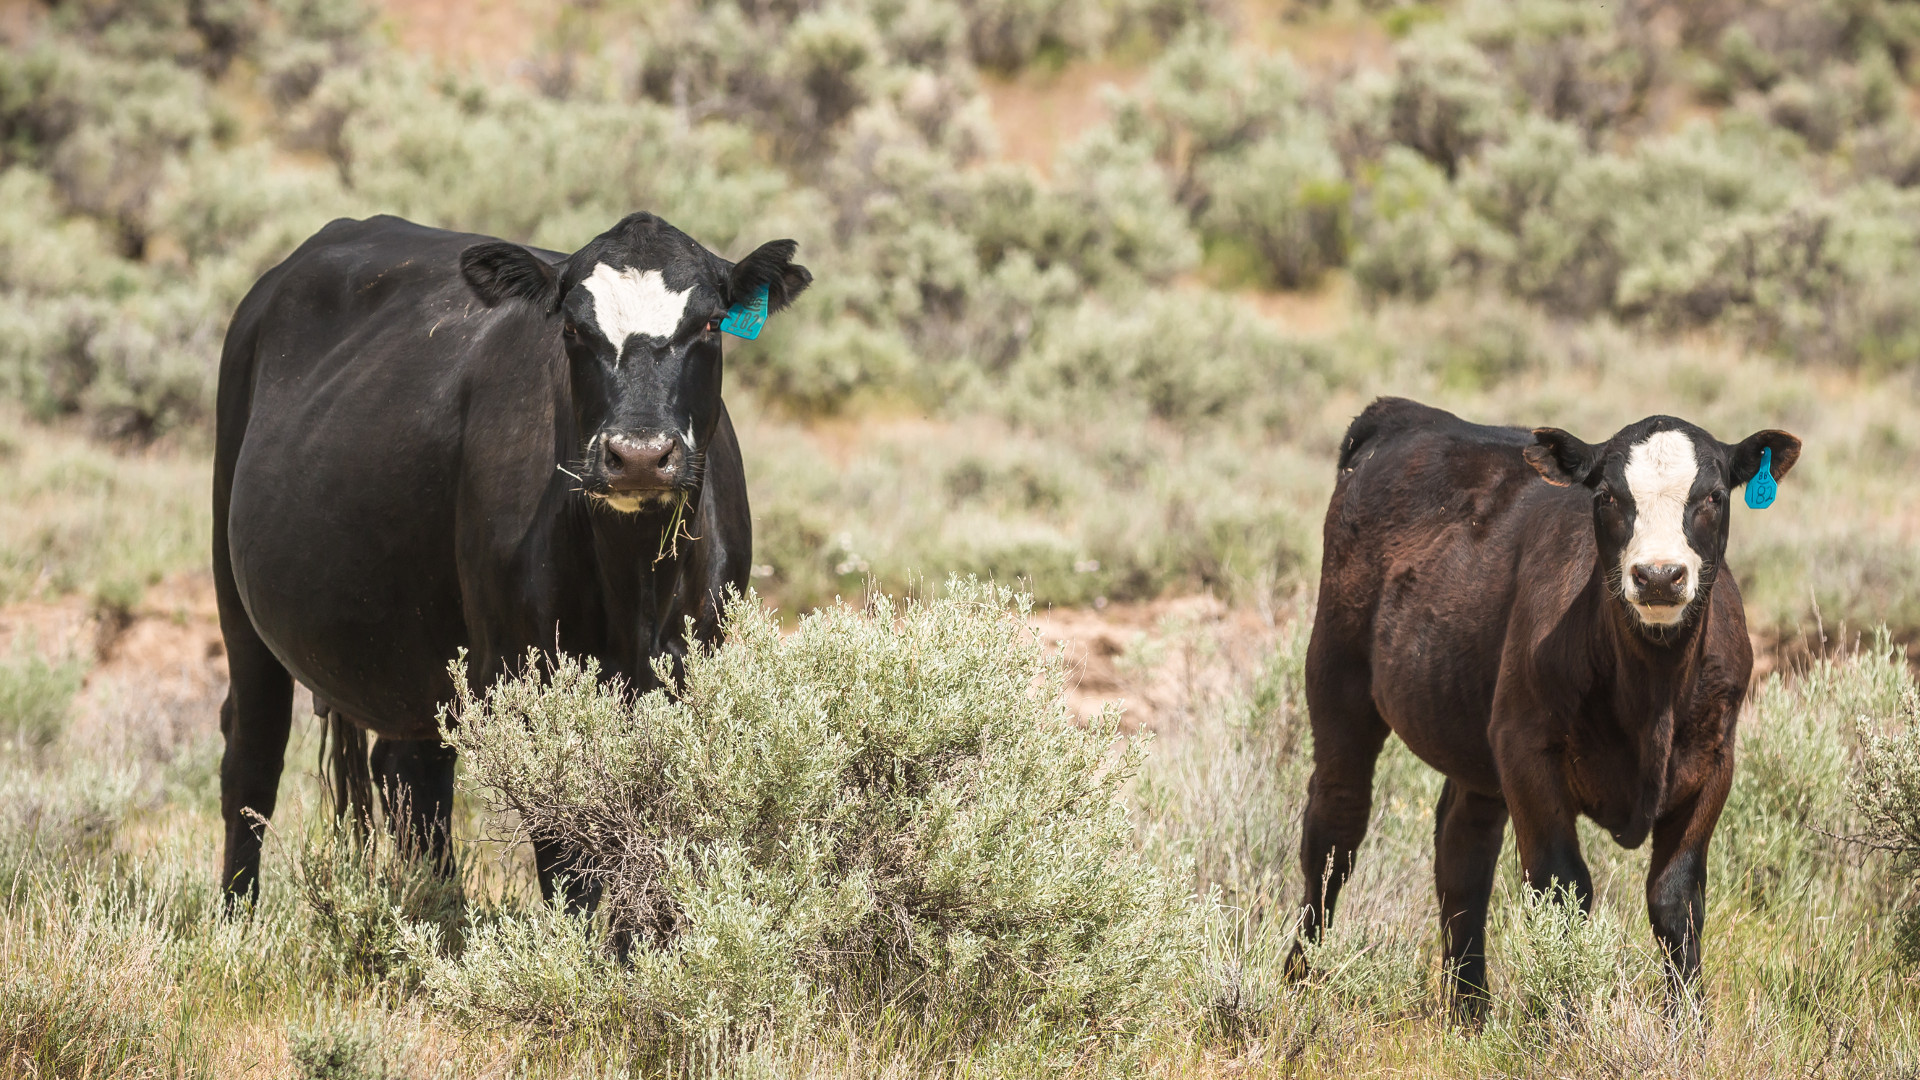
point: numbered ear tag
(747, 317)
(1762, 488)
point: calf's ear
(1561, 459)
(1743, 460)
(497, 271)
(772, 265)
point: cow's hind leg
(415, 778)
(1468, 831)
(1347, 736)
(255, 721)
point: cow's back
(349, 387)
(1429, 523)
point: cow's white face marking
(1660, 474)
(634, 301)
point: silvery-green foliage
(101, 128)
(335, 1048)
(1791, 783)
(1288, 200)
(1202, 97)
(464, 156)
(1179, 357)
(1418, 234)
(1562, 963)
(361, 895)
(1445, 98)
(1885, 789)
(1582, 64)
(34, 698)
(889, 809)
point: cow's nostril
(1639, 575)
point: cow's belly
(345, 562)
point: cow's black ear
(1561, 459)
(772, 265)
(1743, 460)
(498, 270)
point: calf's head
(638, 311)
(1660, 506)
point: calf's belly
(1433, 687)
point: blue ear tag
(746, 318)
(1762, 488)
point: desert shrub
(1445, 99)
(337, 1048)
(83, 993)
(57, 818)
(1418, 234)
(1885, 789)
(361, 893)
(1185, 358)
(1288, 200)
(34, 697)
(1791, 783)
(890, 808)
(1577, 63)
(1224, 797)
(1562, 962)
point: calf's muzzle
(1660, 583)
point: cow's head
(1660, 506)
(638, 311)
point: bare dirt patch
(492, 35)
(162, 665)
(1038, 112)
(1159, 662)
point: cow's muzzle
(634, 465)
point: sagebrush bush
(888, 810)
(35, 694)
(83, 993)
(362, 895)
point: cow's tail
(344, 765)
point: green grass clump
(889, 812)
(362, 896)
(35, 694)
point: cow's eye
(1603, 497)
(569, 329)
(712, 327)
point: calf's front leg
(1677, 880)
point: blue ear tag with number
(1762, 488)
(747, 317)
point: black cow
(1552, 626)
(431, 441)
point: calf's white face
(1660, 475)
(1660, 507)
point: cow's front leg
(415, 778)
(1677, 880)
